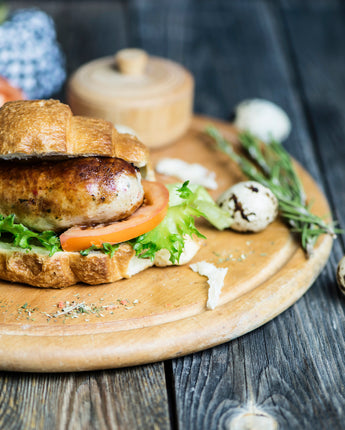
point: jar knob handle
(131, 61)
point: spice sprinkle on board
(161, 313)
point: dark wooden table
(289, 373)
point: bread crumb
(215, 280)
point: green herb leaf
(110, 249)
(49, 240)
(199, 199)
(185, 204)
(106, 248)
(85, 252)
(272, 166)
(169, 234)
(23, 237)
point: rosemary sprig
(272, 166)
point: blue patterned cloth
(30, 57)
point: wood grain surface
(290, 371)
(161, 313)
(95, 400)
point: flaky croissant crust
(48, 128)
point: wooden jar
(153, 96)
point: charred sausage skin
(56, 195)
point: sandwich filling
(56, 195)
(71, 183)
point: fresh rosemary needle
(272, 166)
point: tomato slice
(144, 219)
(9, 93)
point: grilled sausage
(56, 195)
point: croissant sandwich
(78, 201)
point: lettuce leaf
(106, 248)
(21, 236)
(197, 197)
(185, 204)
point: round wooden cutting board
(161, 313)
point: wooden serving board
(161, 313)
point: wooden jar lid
(154, 96)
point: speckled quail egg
(341, 275)
(263, 118)
(252, 206)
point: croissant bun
(68, 268)
(48, 128)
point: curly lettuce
(23, 237)
(185, 204)
(197, 197)
(106, 248)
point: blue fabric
(30, 56)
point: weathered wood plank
(311, 5)
(126, 398)
(287, 369)
(320, 56)
(238, 50)
(122, 399)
